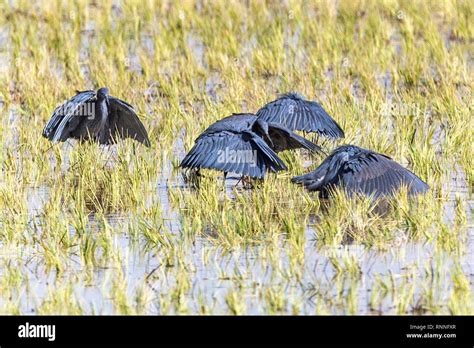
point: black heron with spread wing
(359, 170)
(244, 144)
(95, 116)
(295, 112)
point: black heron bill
(95, 116)
(244, 144)
(295, 112)
(359, 170)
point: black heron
(295, 112)
(95, 116)
(244, 144)
(359, 170)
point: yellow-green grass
(86, 229)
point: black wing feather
(379, 175)
(124, 123)
(65, 117)
(295, 112)
(284, 139)
(209, 152)
(359, 170)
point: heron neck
(102, 111)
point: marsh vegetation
(88, 229)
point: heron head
(103, 93)
(263, 128)
(293, 95)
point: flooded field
(89, 229)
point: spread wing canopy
(124, 122)
(376, 174)
(363, 171)
(295, 112)
(67, 116)
(243, 153)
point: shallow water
(214, 273)
(311, 285)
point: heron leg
(108, 158)
(66, 146)
(68, 143)
(247, 182)
(239, 181)
(192, 176)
